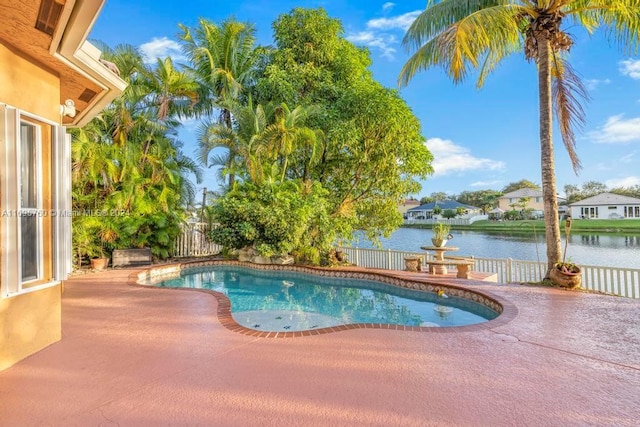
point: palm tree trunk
(225, 117)
(550, 201)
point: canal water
(612, 250)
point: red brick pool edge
(407, 280)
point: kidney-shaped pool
(280, 301)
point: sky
(480, 138)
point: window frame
(48, 135)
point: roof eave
(70, 47)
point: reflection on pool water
(291, 301)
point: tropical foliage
(278, 218)
(461, 35)
(129, 175)
(310, 115)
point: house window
(538, 199)
(34, 245)
(27, 174)
(632, 211)
(30, 203)
(589, 212)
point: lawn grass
(579, 226)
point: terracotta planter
(565, 279)
(412, 263)
(99, 264)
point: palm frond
(620, 19)
(485, 36)
(568, 91)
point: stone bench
(127, 257)
(463, 266)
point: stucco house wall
(50, 78)
(606, 206)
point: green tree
(426, 199)
(462, 34)
(593, 188)
(127, 164)
(483, 199)
(373, 151)
(276, 218)
(632, 191)
(449, 213)
(523, 183)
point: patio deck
(144, 356)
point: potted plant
(441, 234)
(566, 273)
(88, 243)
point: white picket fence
(452, 221)
(194, 241)
(624, 282)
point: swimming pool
(287, 301)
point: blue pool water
(292, 301)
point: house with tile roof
(50, 78)
(426, 211)
(606, 206)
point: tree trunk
(225, 117)
(549, 197)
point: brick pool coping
(505, 309)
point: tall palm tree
(464, 34)
(223, 60)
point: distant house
(509, 201)
(406, 205)
(606, 206)
(50, 78)
(426, 211)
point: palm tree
(245, 139)
(223, 60)
(464, 34)
(286, 134)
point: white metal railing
(194, 241)
(453, 221)
(624, 282)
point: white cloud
(388, 6)
(617, 130)
(592, 84)
(161, 48)
(401, 22)
(631, 68)
(628, 158)
(380, 41)
(629, 181)
(485, 184)
(450, 158)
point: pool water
(291, 301)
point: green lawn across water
(579, 226)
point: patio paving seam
(635, 368)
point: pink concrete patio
(140, 356)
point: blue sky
(480, 139)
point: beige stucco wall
(28, 323)
(505, 205)
(28, 86)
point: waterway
(613, 250)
